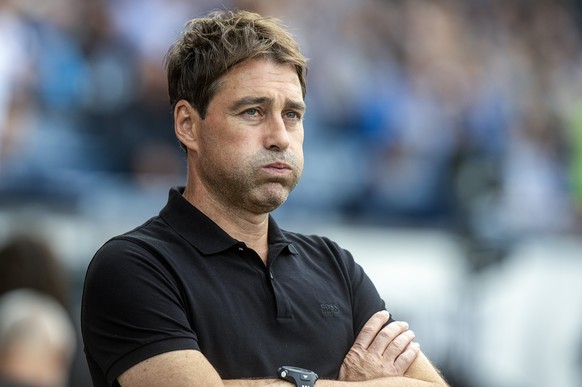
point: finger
(407, 357)
(371, 328)
(385, 337)
(399, 344)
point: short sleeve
(132, 308)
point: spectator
(37, 340)
(29, 262)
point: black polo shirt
(180, 282)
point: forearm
(257, 383)
(423, 372)
(392, 381)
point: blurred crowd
(460, 114)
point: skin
(244, 158)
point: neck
(244, 226)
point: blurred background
(443, 145)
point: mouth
(278, 168)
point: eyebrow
(249, 101)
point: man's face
(250, 153)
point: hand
(380, 352)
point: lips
(278, 168)
(278, 165)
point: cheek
(233, 154)
(297, 144)
(217, 143)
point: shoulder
(147, 238)
(310, 240)
(131, 266)
(144, 246)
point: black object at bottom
(298, 376)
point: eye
(252, 112)
(292, 115)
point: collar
(200, 231)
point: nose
(277, 136)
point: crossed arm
(380, 356)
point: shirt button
(271, 275)
(241, 249)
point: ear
(185, 123)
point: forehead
(261, 77)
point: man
(212, 292)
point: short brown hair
(210, 46)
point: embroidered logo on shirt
(329, 310)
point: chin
(271, 206)
(270, 203)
